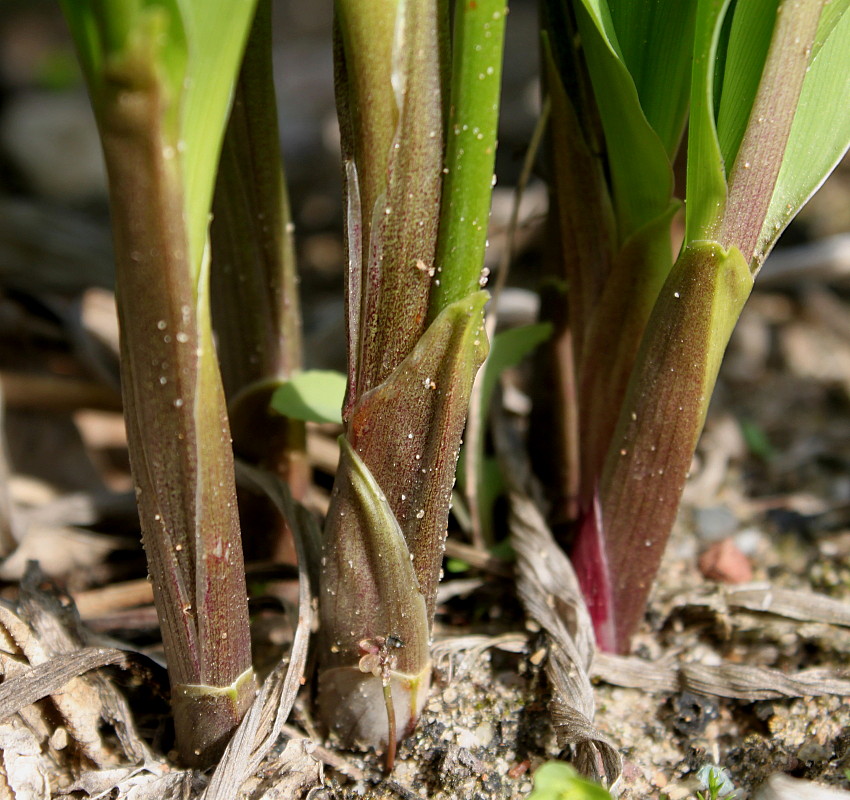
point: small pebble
(725, 563)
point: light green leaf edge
(642, 176)
(832, 13)
(820, 133)
(216, 40)
(312, 396)
(706, 176)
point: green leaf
(756, 440)
(556, 780)
(656, 41)
(216, 43)
(313, 396)
(641, 174)
(455, 565)
(706, 174)
(820, 133)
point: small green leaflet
(313, 396)
(556, 780)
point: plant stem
(660, 422)
(479, 29)
(178, 436)
(137, 62)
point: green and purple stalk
(641, 401)
(675, 372)
(149, 72)
(414, 349)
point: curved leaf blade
(641, 174)
(656, 40)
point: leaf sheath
(659, 425)
(177, 429)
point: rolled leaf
(739, 72)
(254, 283)
(389, 97)
(706, 175)
(369, 595)
(584, 233)
(408, 431)
(615, 330)
(412, 357)
(613, 280)
(385, 535)
(477, 48)
(820, 132)
(753, 175)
